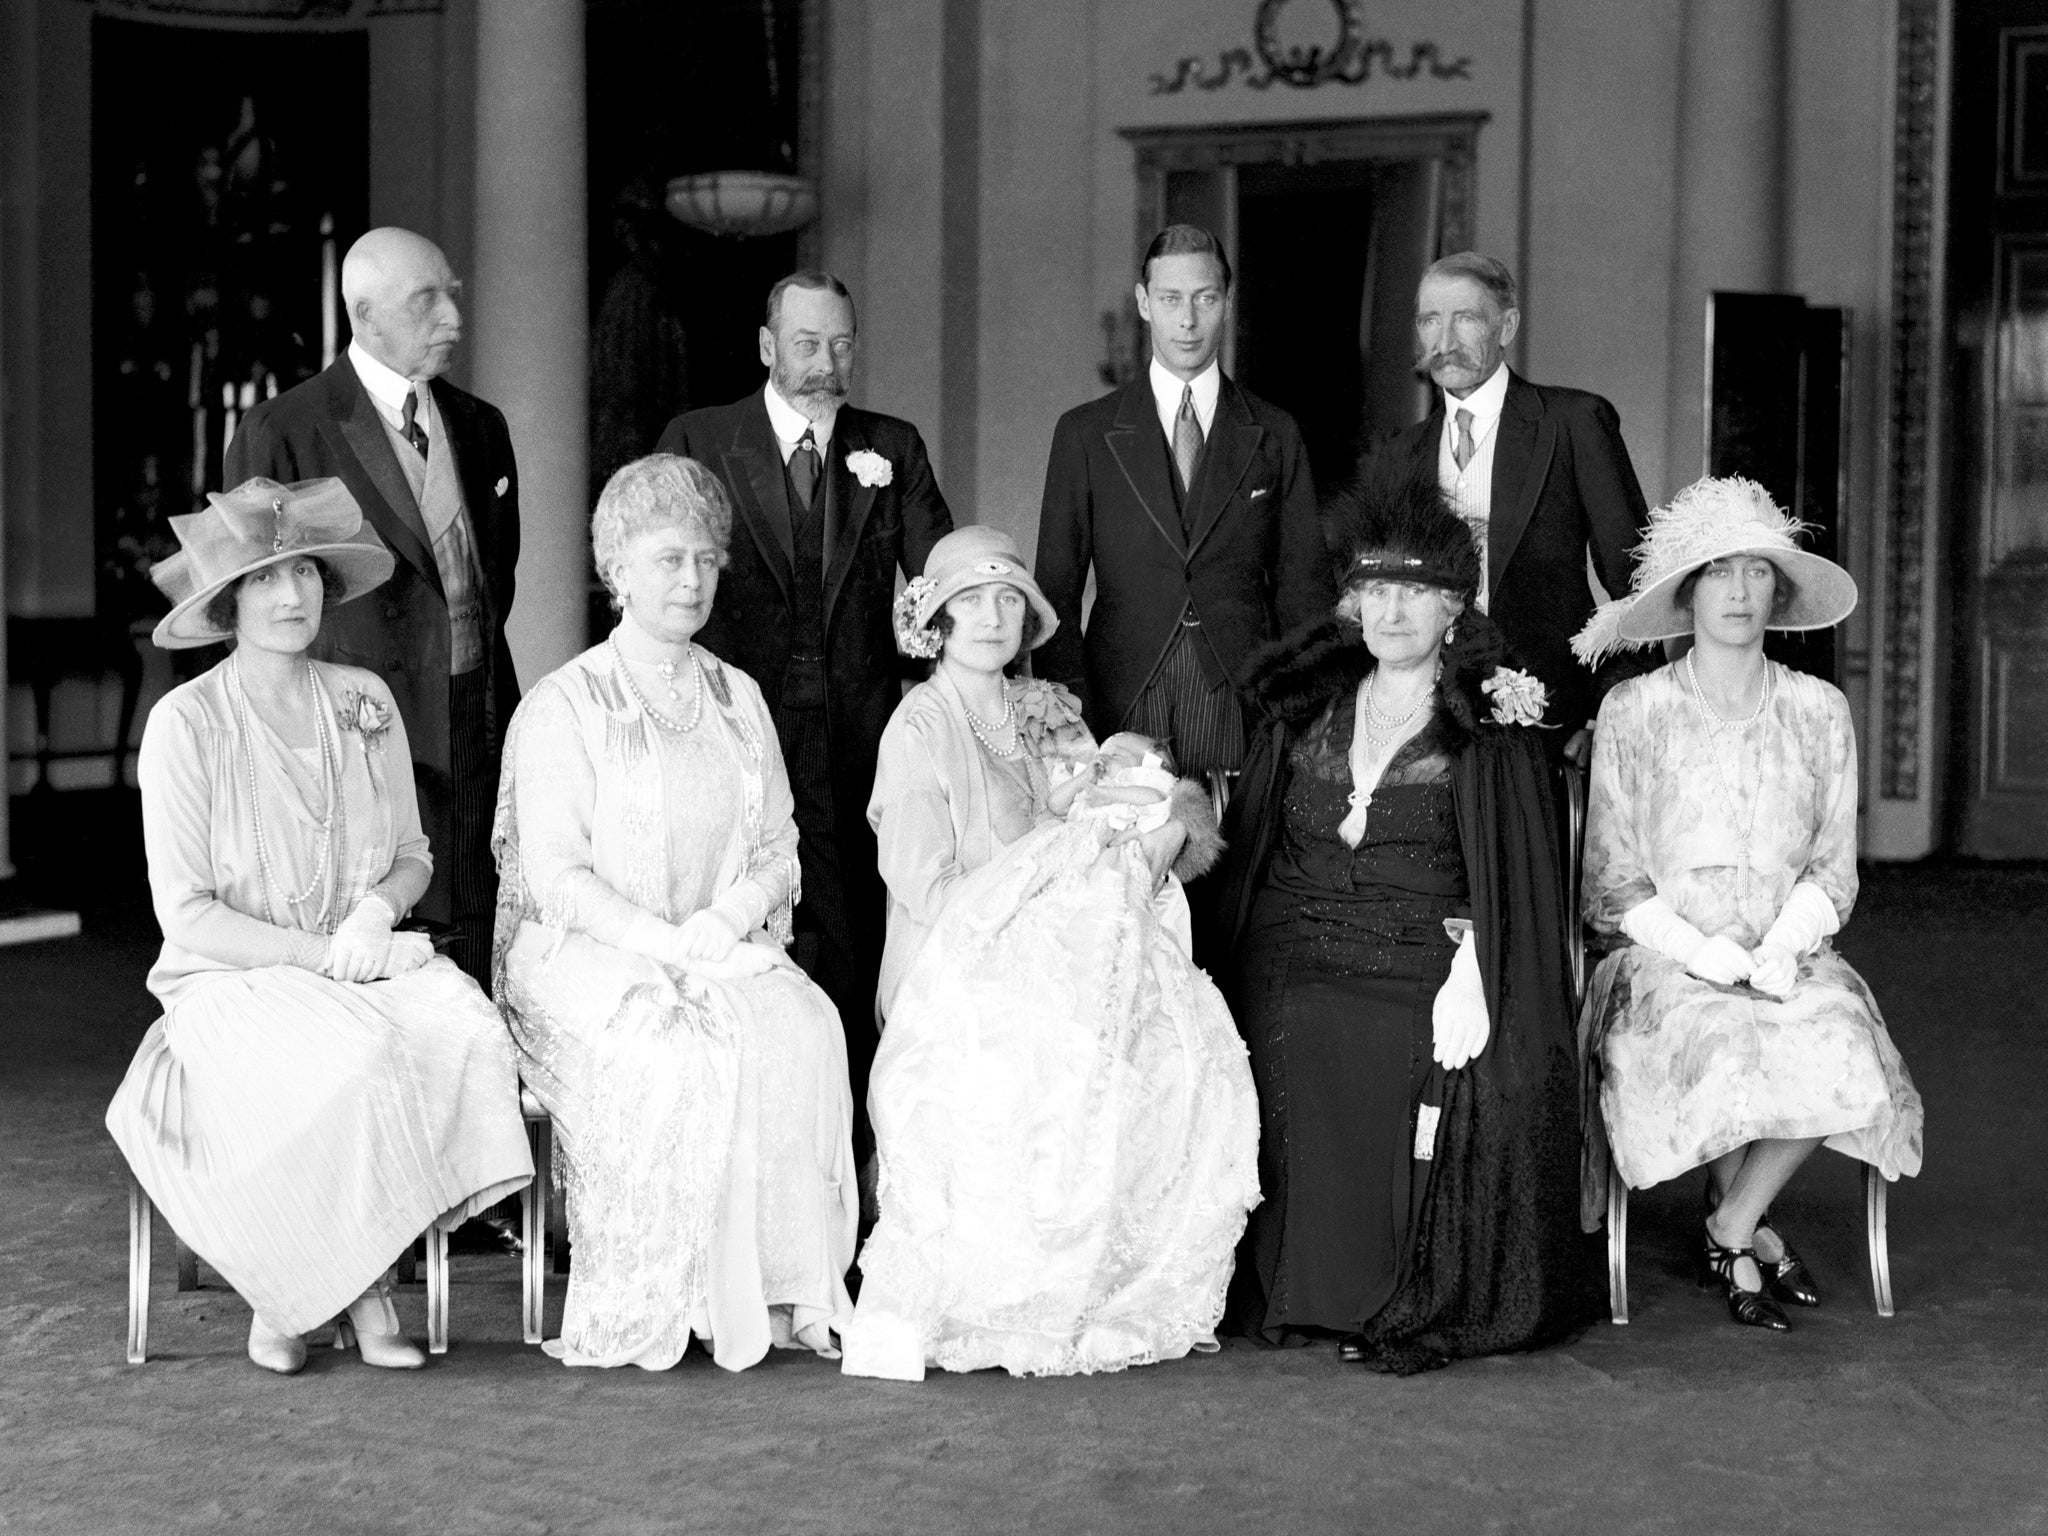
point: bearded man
(830, 502)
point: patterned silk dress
(1722, 820)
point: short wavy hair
(663, 490)
(223, 610)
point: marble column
(1729, 212)
(528, 307)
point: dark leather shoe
(1351, 1348)
(1753, 1309)
(1789, 1280)
(485, 1234)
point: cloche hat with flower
(1714, 519)
(259, 523)
(966, 557)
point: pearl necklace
(1715, 725)
(1716, 720)
(983, 732)
(668, 676)
(332, 825)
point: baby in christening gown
(1124, 788)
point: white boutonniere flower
(1519, 698)
(870, 468)
(367, 716)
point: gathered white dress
(702, 1117)
(298, 1132)
(1064, 1114)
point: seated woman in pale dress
(647, 867)
(1065, 1126)
(319, 1089)
(1721, 851)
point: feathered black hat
(1393, 523)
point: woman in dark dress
(1391, 902)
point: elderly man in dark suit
(432, 468)
(832, 501)
(1190, 498)
(1538, 472)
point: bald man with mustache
(432, 468)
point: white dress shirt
(1166, 393)
(1471, 489)
(791, 424)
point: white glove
(704, 936)
(1657, 926)
(356, 951)
(1773, 969)
(408, 952)
(1459, 1025)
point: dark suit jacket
(329, 426)
(1562, 484)
(880, 529)
(1251, 561)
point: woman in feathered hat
(1392, 906)
(319, 1089)
(1065, 1127)
(1721, 851)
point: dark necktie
(414, 432)
(1187, 438)
(1463, 449)
(803, 468)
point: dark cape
(1495, 1259)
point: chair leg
(558, 1218)
(188, 1265)
(533, 1228)
(1617, 1245)
(437, 1291)
(140, 1211)
(1874, 1217)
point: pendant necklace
(985, 732)
(1716, 725)
(668, 670)
(332, 828)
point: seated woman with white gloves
(319, 1089)
(1721, 846)
(1393, 914)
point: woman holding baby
(1065, 1123)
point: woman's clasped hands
(364, 948)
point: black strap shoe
(1789, 1280)
(1753, 1309)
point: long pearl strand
(984, 732)
(332, 825)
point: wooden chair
(1876, 1232)
(141, 1221)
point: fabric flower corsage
(369, 717)
(1049, 719)
(1519, 698)
(870, 468)
(912, 638)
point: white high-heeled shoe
(284, 1353)
(371, 1325)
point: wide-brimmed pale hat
(1707, 521)
(966, 557)
(259, 523)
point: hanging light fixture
(743, 203)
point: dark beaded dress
(1336, 976)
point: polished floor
(1935, 1420)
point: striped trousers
(1198, 719)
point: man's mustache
(1431, 361)
(821, 384)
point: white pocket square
(504, 484)
(1264, 490)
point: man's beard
(822, 387)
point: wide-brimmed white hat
(966, 557)
(1714, 519)
(259, 523)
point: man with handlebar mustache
(1538, 472)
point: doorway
(1329, 227)
(1997, 781)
